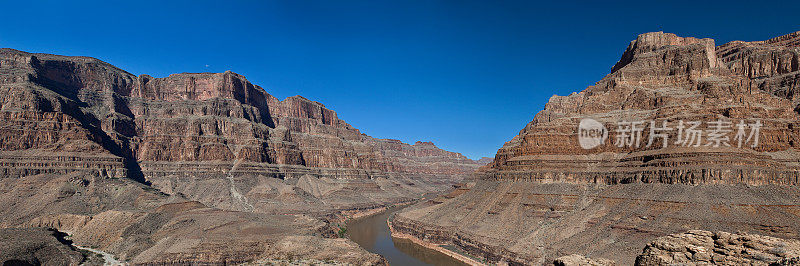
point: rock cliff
(170, 170)
(582, 179)
(214, 137)
(664, 78)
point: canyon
(547, 198)
(193, 168)
(208, 168)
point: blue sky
(467, 75)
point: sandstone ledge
(718, 248)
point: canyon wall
(665, 78)
(193, 168)
(214, 137)
(548, 194)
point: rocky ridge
(205, 135)
(36, 246)
(663, 77)
(545, 196)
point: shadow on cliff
(68, 86)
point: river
(372, 233)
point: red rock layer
(62, 114)
(544, 196)
(665, 77)
(49, 101)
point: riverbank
(344, 216)
(435, 247)
(372, 233)
(359, 214)
(108, 258)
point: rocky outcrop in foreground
(698, 247)
(585, 178)
(36, 246)
(578, 260)
(720, 248)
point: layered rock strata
(213, 137)
(172, 170)
(548, 194)
(665, 78)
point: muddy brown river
(372, 233)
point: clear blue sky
(467, 75)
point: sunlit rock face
(214, 137)
(193, 168)
(665, 78)
(545, 195)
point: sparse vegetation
(342, 231)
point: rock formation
(168, 170)
(214, 132)
(578, 260)
(36, 246)
(719, 248)
(546, 194)
(665, 78)
(141, 225)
